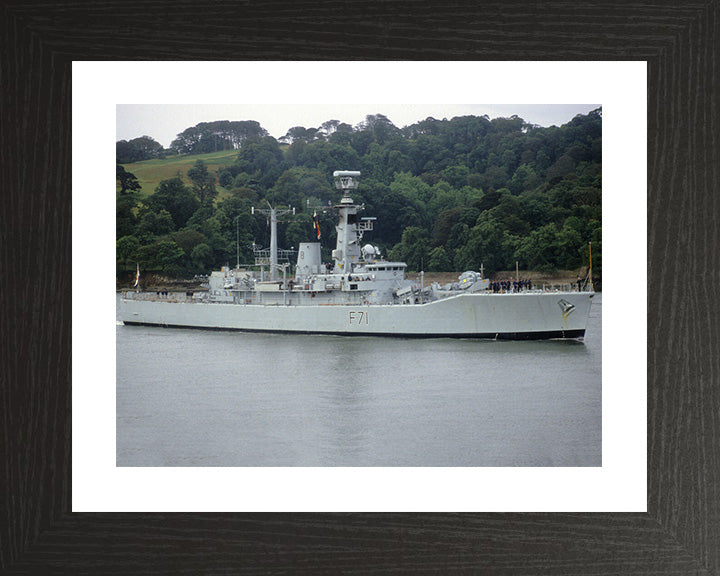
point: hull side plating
(503, 316)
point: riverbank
(156, 282)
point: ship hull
(523, 316)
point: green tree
(154, 224)
(126, 249)
(126, 153)
(495, 177)
(562, 167)
(443, 225)
(416, 194)
(127, 180)
(323, 156)
(170, 257)
(381, 128)
(176, 198)
(298, 184)
(536, 209)
(137, 149)
(262, 159)
(162, 255)
(538, 250)
(147, 147)
(126, 207)
(457, 176)
(342, 134)
(300, 134)
(569, 244)
(203, 182)
(225, 178)
(524, 178)
(438, 260)
(202, 221)
(187, 239)
(412, 249)
(508, 213)
(486, 246)
(202, 257)
(299, 231)
(217, 135)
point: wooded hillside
(448, 194)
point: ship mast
(347, 250)
(273, 213)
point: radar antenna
(346, 180)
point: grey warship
(360, 293)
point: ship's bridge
(384, 269)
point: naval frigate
(361, 293)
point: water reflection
(197, 398)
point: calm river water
(206, 398)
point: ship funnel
(309, 260)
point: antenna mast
(273, 213)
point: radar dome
(368, 251)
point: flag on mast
(137, 275)
(316, 224)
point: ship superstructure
(361, 293)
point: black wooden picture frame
(680, 533)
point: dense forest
(449, 195)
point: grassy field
(150, 172)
